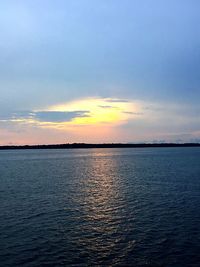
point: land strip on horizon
(105, 145)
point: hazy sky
(99, 71)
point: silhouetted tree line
(106, 145)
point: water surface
(100, 207)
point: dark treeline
(106, 145)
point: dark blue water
(100, 207)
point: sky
(99, 71)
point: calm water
(100, 207)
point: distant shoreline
(106, 145)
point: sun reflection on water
(102, 199)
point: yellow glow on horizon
(98, 114)
(99, 110)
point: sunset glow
(83, 112)
(98, 110)
(92, 71)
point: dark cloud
(45, 116)
(59, 116)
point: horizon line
(99, 145)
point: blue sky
(65, 53)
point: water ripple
(104, 207)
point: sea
(135, 207)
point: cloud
(23, 115)
(116, 100)
(45, 116)
(59, 116)
(154, 108)
(16, 115)
(5, 116)
(102, 106)
(133, 113)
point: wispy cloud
(102, 106)
(133, 113)
(116, 100)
